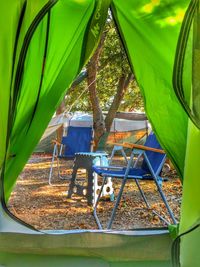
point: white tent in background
(81, 119)
(133, 128)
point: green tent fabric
(188, 54)
(47, 53)
(190, 211)
(187, 243)
(150, 33)
(43, 46)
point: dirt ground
(46, 206)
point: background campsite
(106, 86)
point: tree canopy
(112, 64)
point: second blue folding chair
(78, 139)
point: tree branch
(122, 88)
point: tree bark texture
(98, 119)
(121, 90)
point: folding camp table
(86, 160)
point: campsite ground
(46, 207)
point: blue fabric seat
(78, 139)
(145, 163)
(136, 172)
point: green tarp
(44, 45)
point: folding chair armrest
(115, 144)
(141, 147)
(54, 141)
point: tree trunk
(122, 88)
(98, 120)
(101, 127)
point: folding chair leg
(55, 154)
(116, 204)
(161, 217)
(96, 204)
(124, 155)
(161, 192)
(120, 192)
(58, 168)
(165, 202)
(142, 194)
(147, 203)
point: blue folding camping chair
(78, 139)
(153, 159)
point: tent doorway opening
(46, 206)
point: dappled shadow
(47, 207)
(164, 14)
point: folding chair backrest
(156, 159)
(78, 139)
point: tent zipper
(175, 251)
(25, 46)
(179, 59)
